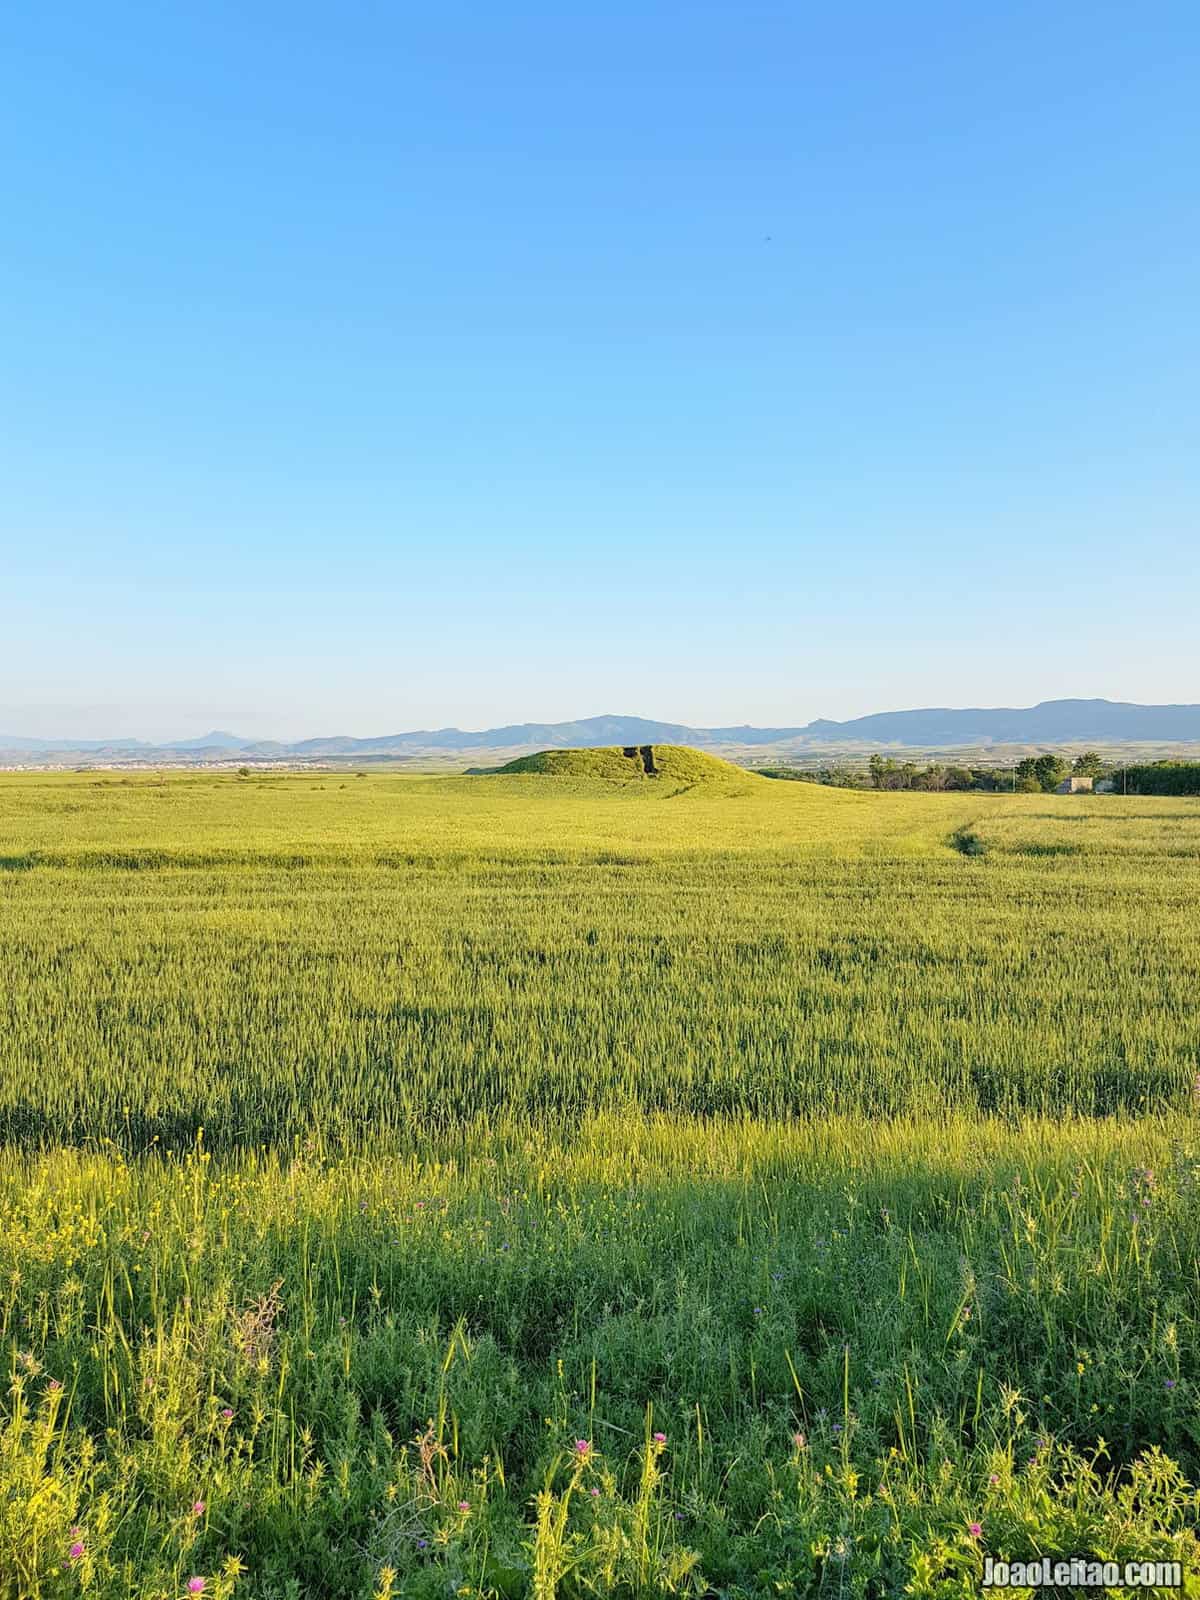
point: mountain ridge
(1064, 721)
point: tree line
(1034, 775)
(1158, 777)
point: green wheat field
(566, 1185)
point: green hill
(678, 763)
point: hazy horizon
(170, 736)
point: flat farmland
(265, 957)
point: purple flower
(660, 1438)
(1170, 1383)
(464, 1505)
(975, 1529)
(227, 1413)
(994, 1479)
(76, 1550)
(195, 1586)
(422, 1544)
(197, 1508)
(582, 1446)
(595, 1494)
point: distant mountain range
(1050, 722)
(210, 741)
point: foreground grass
(856, 1341)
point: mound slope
(678, 763)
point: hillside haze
(1051, 722)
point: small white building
(1075, 783)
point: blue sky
(375, 366)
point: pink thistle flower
(54, 1386)
(195, 1585)
(76, 1550)
(595, 1494)
(464, 1505)
(975, 1529)
(227, 1413)
(197, 1508)
(660, 1438)
(582, 1446)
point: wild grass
(856, 1343)
(601, 1191)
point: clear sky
(375, 366)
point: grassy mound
(678, 763)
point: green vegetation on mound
(671, 763)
